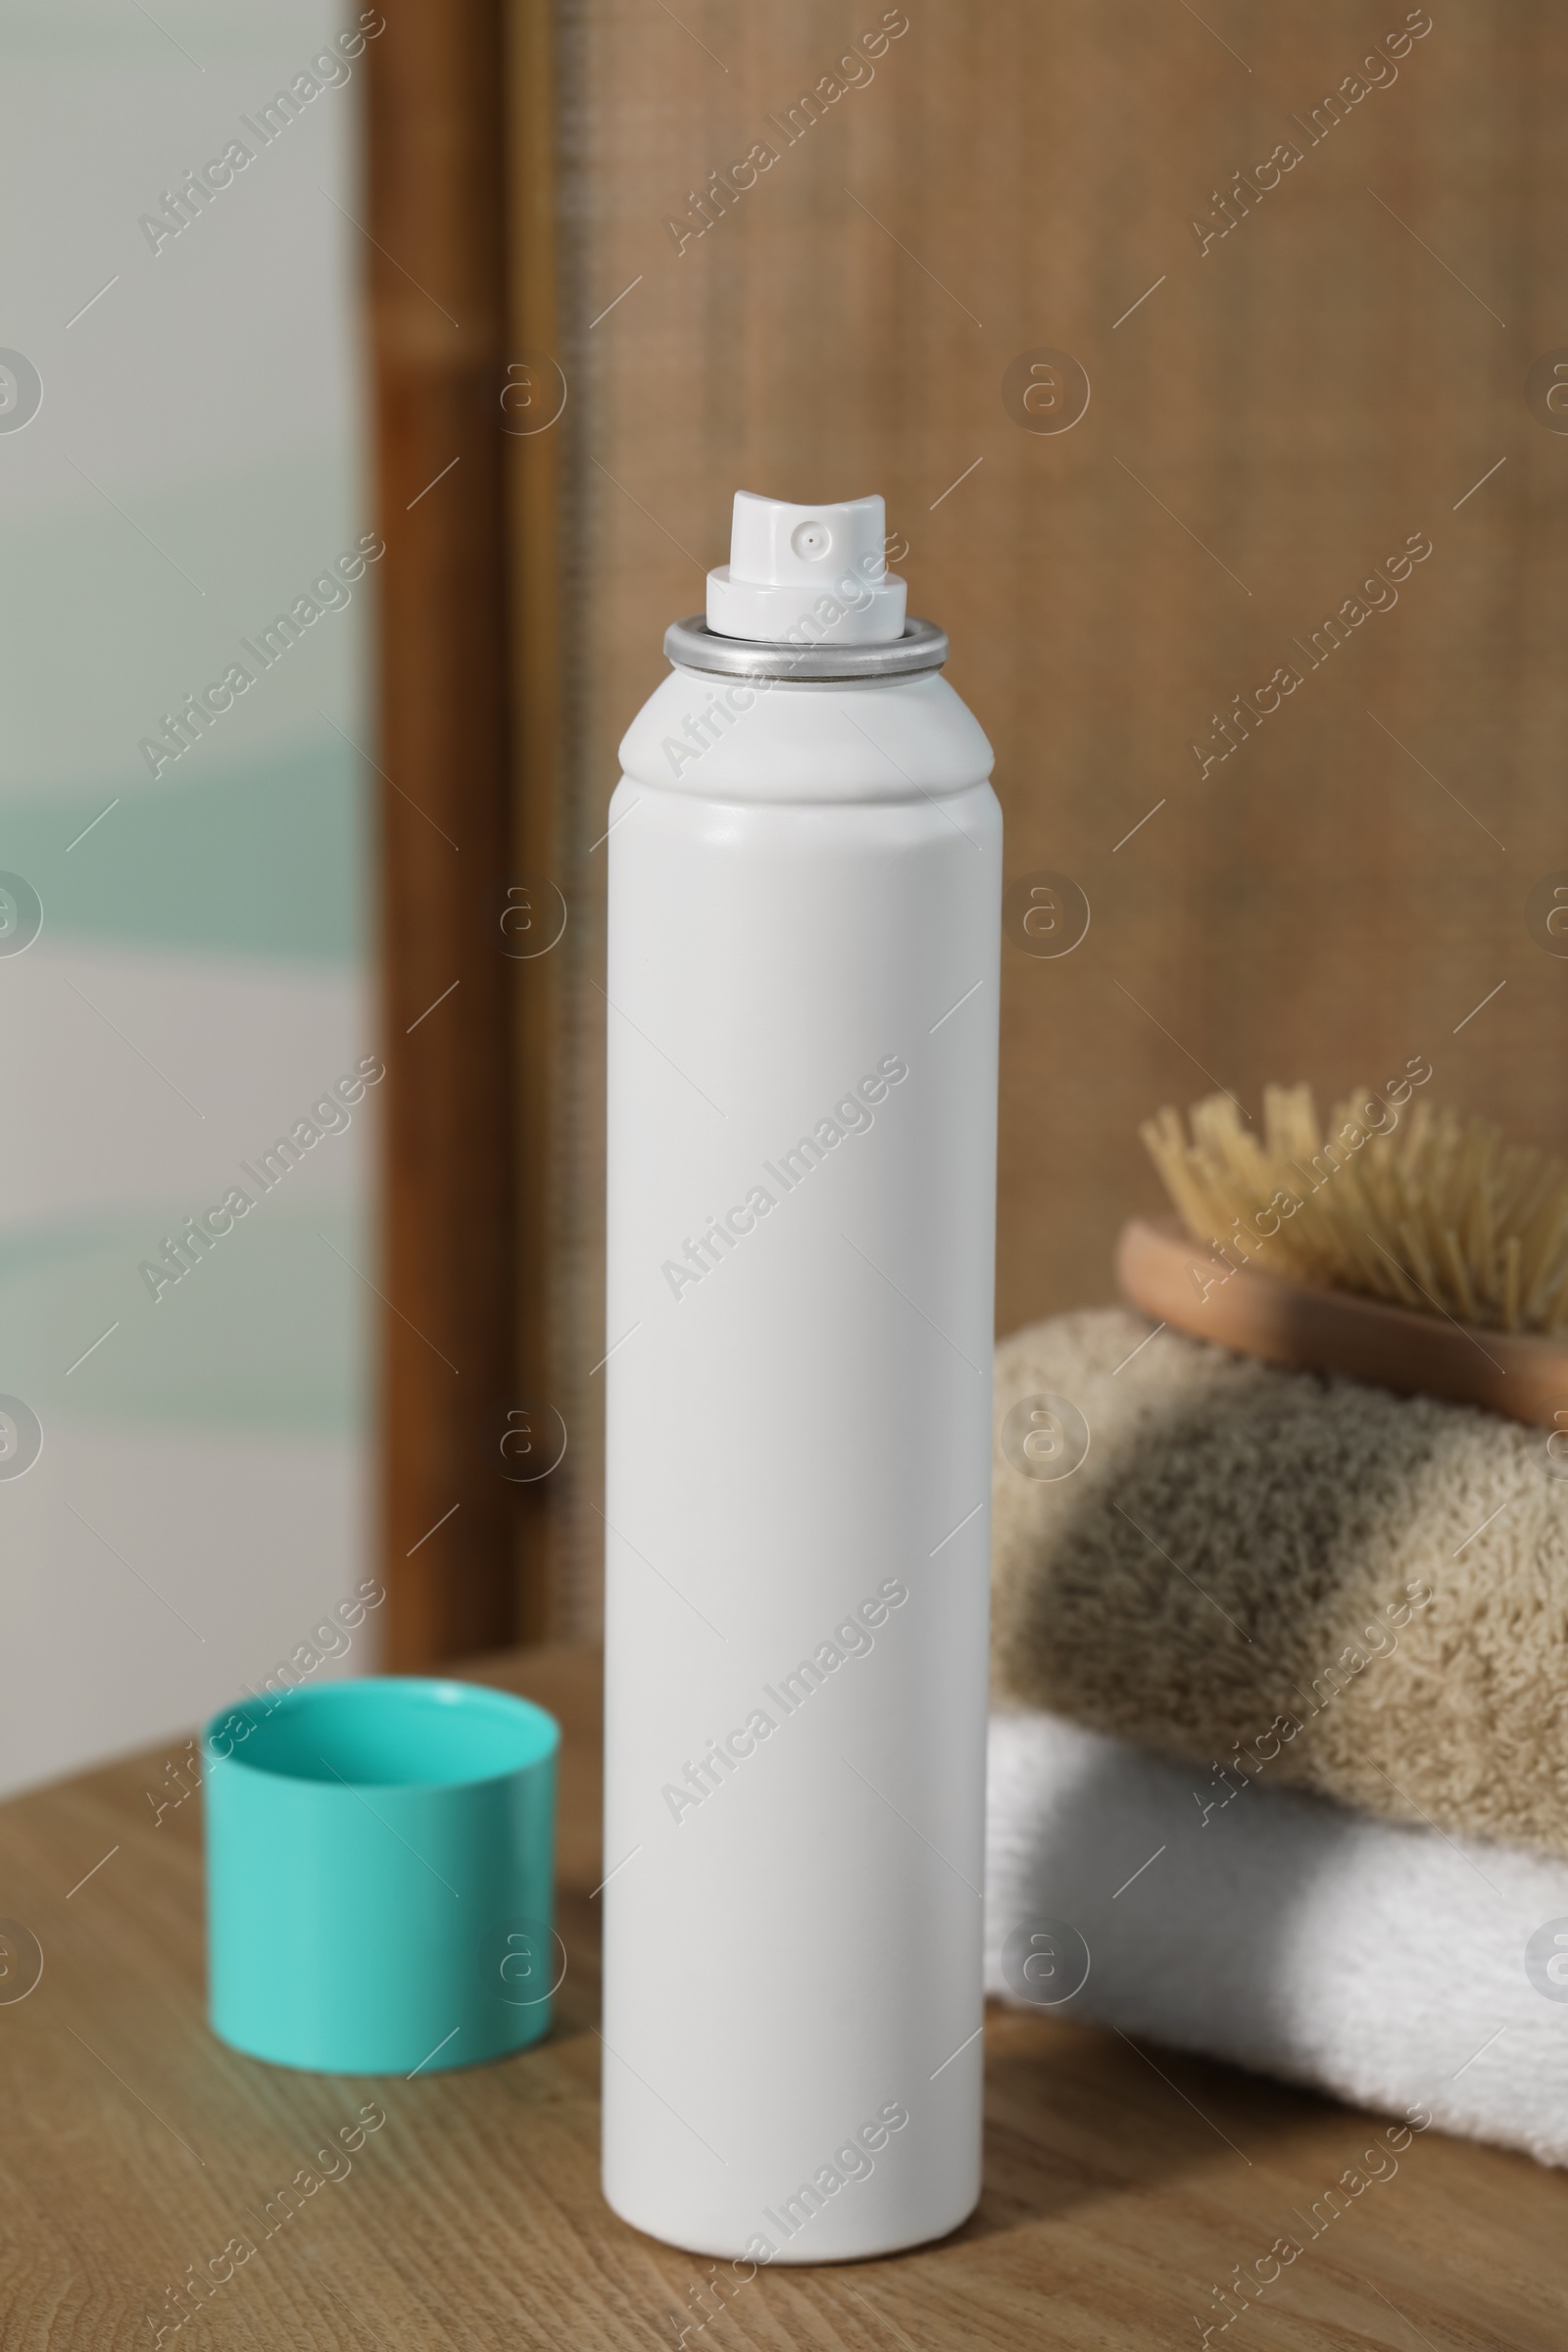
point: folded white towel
(1396, 1968)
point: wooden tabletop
(1123, 2186)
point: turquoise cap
(381, 1859)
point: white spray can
(805, 923)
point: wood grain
(535, 488)
(1123, 2184)
(451, 1237)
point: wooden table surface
(135, 2148)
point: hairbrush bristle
(1418, 1207)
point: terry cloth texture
(1393, 1966)
(1249, 1560)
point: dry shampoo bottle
(805, 918)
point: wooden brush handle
(1290, 1323)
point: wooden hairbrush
(1406, 1246)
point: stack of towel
(1279, 1770)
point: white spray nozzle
(818, 573)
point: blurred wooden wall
(438, 284)
(1274, 410)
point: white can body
(803, 980)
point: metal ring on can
(692, 645)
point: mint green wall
(201, 975)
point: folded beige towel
(1280, 1576)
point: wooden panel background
(1279, 414)
(438, 288)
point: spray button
(807, 575)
